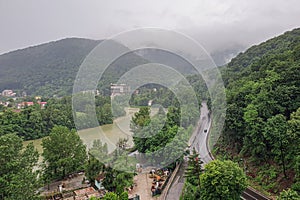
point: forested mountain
(50, 69)
(44, 69)
(263, 111)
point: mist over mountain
(50, 69)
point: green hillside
(47, 69)
(50, 69)
(263, 112)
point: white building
(8, 93)
(119, 89)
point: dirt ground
(143, 185)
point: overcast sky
(216, 24)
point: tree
(275, 133)
(123, 196)
(140, 120)
(194, 169)
(18, 180)
(289, 195)
(190, 192)
(63, 152)
(99, 151)
(97, 157)
(112, 196)
(120, 160)
(222, 180)
(117, 180)
(93, 168)
(294, 134)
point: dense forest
(263, 113)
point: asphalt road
(199, 138)
(197, 141)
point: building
(119, 89)
(8, 93)
(42, 104)
(30, 103)
(86, 193)
(99, 180)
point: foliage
(18, 179)
(99, 150)
(192, 174)
(289, 195)
(190, 192)
(263, 95)
(93, 168)
(63, 152)
(194, 169)
(112, 196)
(117, 180)
(47, 69)
(222, 180)
(50, 69)
(150, 135)
(33, 122)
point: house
(42, 104)
(99, 180)
(30, 103)
(85, 193)
(150, 102)
(8, 93)
(23, 104)
(119, 89)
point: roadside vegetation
(262, 124)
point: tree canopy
(63, 152)
(18, 178)
(222, 180)
(263, 99)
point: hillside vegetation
(263, 111)
(47, 69)
(50, 69)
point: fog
(216, 24)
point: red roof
(30, 103)
(89, 190)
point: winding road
(199, 141)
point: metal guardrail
(248, 194)
(164, 194)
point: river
(109, 133)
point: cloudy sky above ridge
(216, 24)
